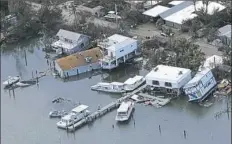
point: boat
(113, 87)
(11, 80)
(74, 116)
(124, 111)
(25, 83)
(133, 83)
(57, 114)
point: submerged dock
(103, 110)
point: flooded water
(24, 111)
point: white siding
(126, 49)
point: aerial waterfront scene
(126, 72)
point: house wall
(78, 47)
(79, 70)
(204, 86)
(178, 84)
(173, 25)
(126, 50)
(225, 40)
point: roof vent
(156, 69)
(180, 72)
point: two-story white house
(70, 42)
(117, 49)
(168, 78)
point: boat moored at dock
(74, 116)
(11, 81)
(113, 87)
(124, 111)
(133, 83)
(57, 114)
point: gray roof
(225, 31)
(69, 35)
(176, 9)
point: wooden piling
(184, 134)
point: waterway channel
(24, 111)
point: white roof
(187, 12)
(80, 108)
(155, 11)
(175, 2)
(133, 80)
(68, 35)
(168, 73)
(124, 106)
(63, 44)
(117, 41)
(209, 62)
(117, 83)
(197, 77)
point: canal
(24, 111)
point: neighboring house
(178, 11)
(117, 49)
(70, 42)
(201, 85)
(225, 35)
(168, 78)
(79, 62)
(212, 62)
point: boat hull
(107, 91)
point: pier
(102, 111)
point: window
(122, 50)
(154, 82)
(168, 84)
(82, 45)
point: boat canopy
(133, 80)
(80, 108)
(117, 83)
(124, 107)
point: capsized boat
(74, 116)
(124, 111)
(11, 80)
(57, 114)
(113, 87)
(133, 83)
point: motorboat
(113, 87)
(57, 114)
(124, 111)
(11, 80)
(133, 83)
(25, 83)
(74, 116)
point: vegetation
(179, 53)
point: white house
(79, 62)
(169, 78)
(201, 85)
(70, 42)
(225, 34)
(117, 49)
(179, 11)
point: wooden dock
(104, 110)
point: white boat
(114, 87)
(74, 116)
(133, 83)
(11, 80)
(124, 111)
(55, 113)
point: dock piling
(184, 134)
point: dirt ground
(149, 29)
